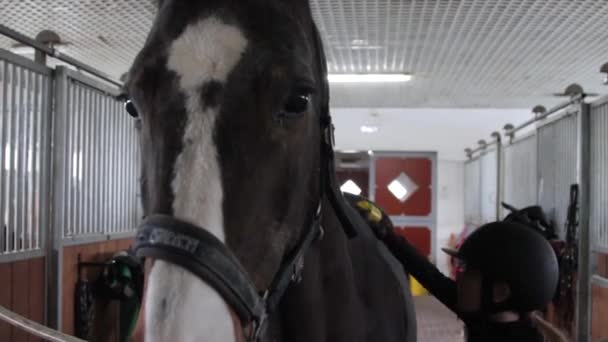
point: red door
(403, 187)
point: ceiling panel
(466, 53)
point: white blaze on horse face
(180, 306)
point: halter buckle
(259, 325)
(298, 267)
(258, 328)
(329, 135)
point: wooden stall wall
(106, 322)
(23, 292)
(599, 303)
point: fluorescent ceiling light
(368, 78)
(369, 129)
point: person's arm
(440, 286)
(443, 288)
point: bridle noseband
(200, 252)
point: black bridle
(198, 251)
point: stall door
(402, 184)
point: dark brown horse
(235, 134)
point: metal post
(46, 177)
(499, 174)
(583, 295)
(55, 241)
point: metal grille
(99, 166)
(557, 167)
(24, 149)
(520, 175)
(472, 192)
(489, 177)
(491, 49)
(599, 174)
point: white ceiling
(462, 53)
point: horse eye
(130, 108)
(296, 104)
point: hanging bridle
(200, 252)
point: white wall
(447, 131)
(450, 206)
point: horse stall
(519, 172)
(68, 191)
(539, 161)
(95, 184)
(482, 184)
(25, 90)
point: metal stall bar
(113, 169)
(5, 108)
(87, 155)
(31, 172)
(19, 118)
(12, 160)
(95, 176)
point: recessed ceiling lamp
(369, 129)
(369, 78)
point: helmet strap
(488, 306)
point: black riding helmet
(514, 254)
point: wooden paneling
(94, 252)
(599, 302)
(23, 292)
(36, 293)
(6, 296)
(602, 265)
(21, 273)
(599, 307)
